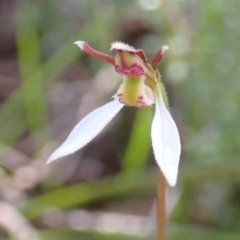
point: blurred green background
(107, 190)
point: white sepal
(87, 129)
(80, 44)
(123, 47)
(165, 140)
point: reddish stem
(98, 55)
(158, 58)
(161, 207)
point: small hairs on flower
(123, 47)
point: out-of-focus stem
(88, 50)
(162, 185)
(161, 207)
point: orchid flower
(141, 87)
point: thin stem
(161, 207)
(158, 58)
(162, 185)
(88, 50)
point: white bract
(141, 87)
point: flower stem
(161, 207)
(162, 184)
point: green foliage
(201, 75)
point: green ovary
(134, 92)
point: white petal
(87, 129)
(165, 140)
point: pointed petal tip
(52, 158)
(80, 44)
(165, 48)
(172, 181)
(60, 152)
(49, 161)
